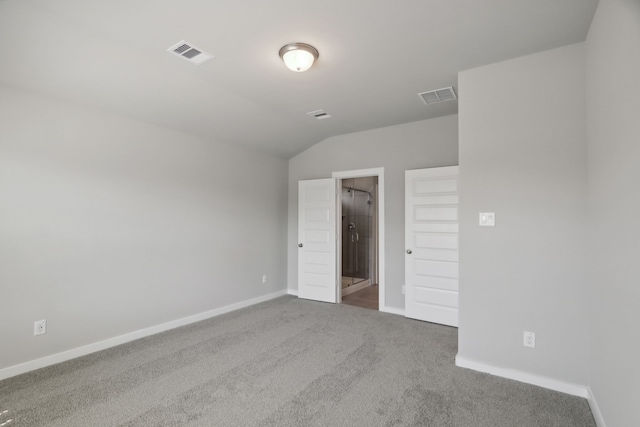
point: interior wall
(428, 143)
(613, 134)
(523, 156)
(110, 225)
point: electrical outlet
(530, 339)
(39, 327)
(264, 278)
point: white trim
(525, 377)
(595, 409)
(379, 172)
(32, 365)
(393, 310)
(293, 292)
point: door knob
(409, 251)
(299, 245)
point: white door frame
(379, 172)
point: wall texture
(523, 156)
(428, 143)
(613, 135)
(108, 226)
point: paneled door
(431, 245)
(317, 239)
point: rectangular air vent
(440, 95)
(319, 114)
(189, 52)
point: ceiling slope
(375, 57)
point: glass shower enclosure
(358, 209)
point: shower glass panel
(357, 226)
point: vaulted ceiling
(375, 57)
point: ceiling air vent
(190, 53)
(319, 114)
(440, 95)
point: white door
(317, 239)
(431, 243)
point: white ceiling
(375, 56)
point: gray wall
(423, 144)
(108, 226)
(613, 134)
(523, 156)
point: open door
(431, 239)
(317, 240)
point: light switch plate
(487, 219)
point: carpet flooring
(285, 362)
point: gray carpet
(286, 362)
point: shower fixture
(356, 189)
(362, 191)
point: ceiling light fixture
(298, 57)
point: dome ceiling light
(298, 57)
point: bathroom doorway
(359, 242)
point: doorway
(359, 260)
(320, 235)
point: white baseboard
(392, 310)
(595, 409)
(32, 365)
(293, 292)
(525, 377)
